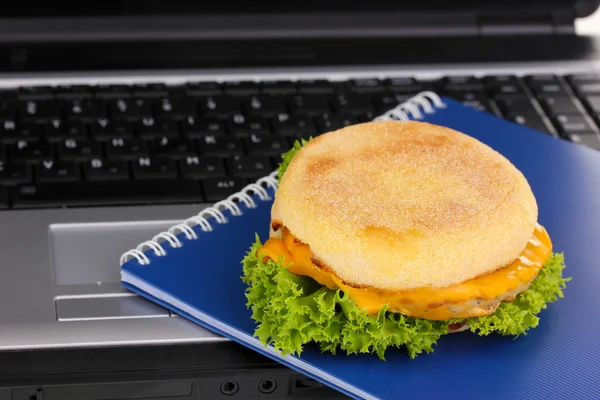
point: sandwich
(391, 234)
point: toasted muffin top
(400, 205)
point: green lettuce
(286, 157)
(292, 311)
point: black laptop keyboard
(202, 141)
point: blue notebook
(195, 269)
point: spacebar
(80, 194)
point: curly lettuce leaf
(517, 317)
(286, 157)
(293, 311)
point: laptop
(120, 118)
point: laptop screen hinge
(556, 24)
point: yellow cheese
(427, 302)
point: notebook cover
(559, 359)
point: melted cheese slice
(457, 301)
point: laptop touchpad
(89, 253)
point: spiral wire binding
(416, 107)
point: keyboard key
(387, 102)
(459, 80)
(218, 189)
(163, 191)
(14, 173)
(8, 111)
(149, 90)
(477, 100)
(106, 170)
(278, 87)
(173, 147)
(404, 85)
(39, 111)
(241, 127)
(154, 168)
(548, 89)
(220, 146)
(249, 166)
(30, 152)
(193, 127)
(35, 93)
(241, 88)
(126, 149)
(532, 121)
(328, 123)
(78, 150)
(264, 106)
(74, 92)
(8, 94)
(309, 105)
(571, 124)
(585, 88)
(51, 171)
(365, 117)
(541, 79)
(284, 124)
(103, 129)
(130, 109)
(149, 128)
(203, 89)
(588, 139)
(516, 106)
(582, 77)
(202, 167)
(112, 91)
(12, 133)
(58, 131)
(266, 145)
(592, 103)
(460, 83)
(219, 106)
(352, 104)
(315, 86)
(178, 108)
(491, 81)
(507, 89)
(85, 110)
(559, 105)
(366, 85)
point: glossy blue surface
(558, 360)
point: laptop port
(308, 388)
(267, 386)
(308, 383)
(229, 388)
